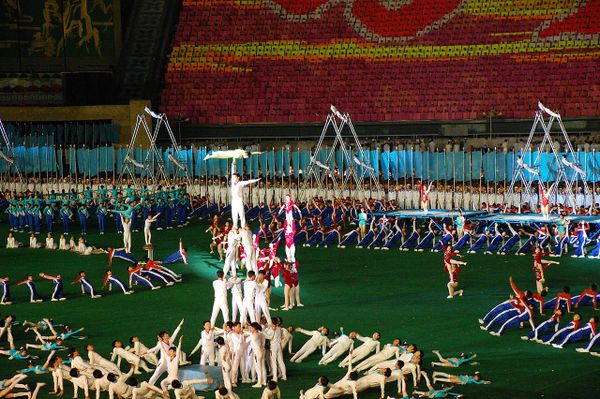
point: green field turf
(399, 294)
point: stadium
(172, 172)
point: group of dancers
(147, 273)
(247, 352)
(520, 309)
(34, 212)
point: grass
(398, 294)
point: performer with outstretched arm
(424, 198)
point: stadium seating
(286, 61)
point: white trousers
(219, 305)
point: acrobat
(424, 196)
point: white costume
(274, 335)
(237, 202)
(248, 244)
(227, 154)
(260, 301)
(50, 243)
(386, 353)
(63, 244)
(369, 345)
(207, 344)
(233, 241)
(147, 232)
(146, 391)
(163, 347)
(238, 354)
(220, 288)
(33, 243)
(187, 390)
(257, 344)
(237, 301)
(97, 361)
(12, 243)
(172, 369)
(338, 347)
(225, 361)
(248, 309)
(126, 234)
(317, 340)
(130, 358)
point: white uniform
(372, 381)
(260, 301)
(147, 229)
(233, 241)
(172, 370)
(317, 340)
(129, 357)
(50, 243)
(33, 242)
(146, 391)
(97, 361)
(277, 364)
(286, 340)
(161, 367)
(248, 301)
(338, 346)
(316, 392)
(248, 244)
(207, 342)
(220, 288)
(187, 390)
(225, 360)
(268, 394)
(257, 345)
(237, 301)
(386, 353)
(362, 351)
(100, 385)
(120, 387)
(238, 354)
(237, 203)
(142, 350)
(126, 234)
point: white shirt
(249, 290)
(261, 290)
(220, 287)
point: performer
(220, 287)
(511, 242)
(237, 202)
(453, 361)
(538, 268)
(528, 168)
(57, 294)
(86, 287)
(542, 328)
(318, 340)
(34, 297)
(112, 280)
(424, 198)
(545, 194)
(227, 154)
(147, 224)
(573, 166)
(458, 379)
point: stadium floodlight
(337, 113)
(152, 113)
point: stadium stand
(290, 59)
